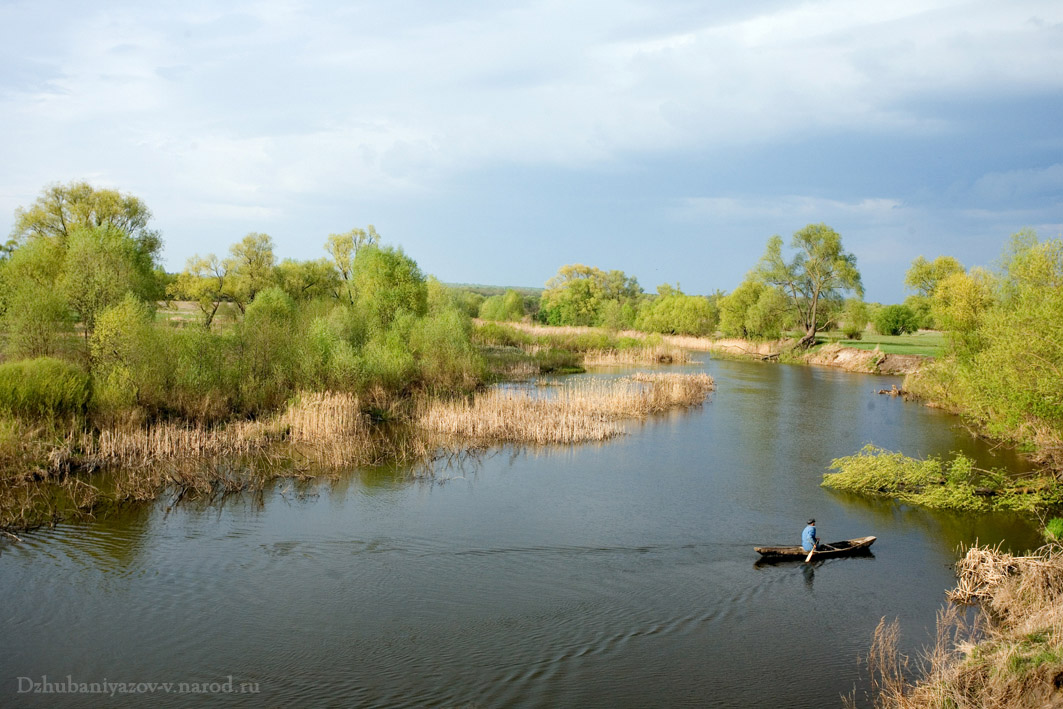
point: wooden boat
(849, 547)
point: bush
(896, 320)
(854, 318)
(1054, 530)
(43, 387)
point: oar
(825, 547)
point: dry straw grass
(636, 355)
(587, 411)
(317, 435)
(1017, 660)
(323, 421)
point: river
(612, 575)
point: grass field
(925, 342)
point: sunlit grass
(926, 343)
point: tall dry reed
(1012, 657)
(658, 354)
(588, 411)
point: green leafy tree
(127, 368)
(815, 279)
(203, 281)
(923, 278)
(344, 249)
(250, 268)
(100, 266)
(672, 311)
(60, 210)
(307, 280)
(960, 302)
(578, 293)
(754, 311)
(387, 282)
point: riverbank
(1011, 657)
(850, 359)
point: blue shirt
(808, 537)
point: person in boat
(809, 540)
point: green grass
(930, 344)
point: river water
(613, 575)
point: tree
(387, 281)
(344, 248)
(61, 209)
(307, 280)
(924, 276)
(100, 266)
(578, 293)
(204, 281)
(250, 267)
(754, 310)
(672, 311)
(815, 279)
(960, 301)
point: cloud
(1032, 185)
(759, 208)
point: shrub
(43, 387)
(896, 320)
(854, 317)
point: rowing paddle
(809, 557)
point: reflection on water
(605, 575)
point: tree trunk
(807, 340)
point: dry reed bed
(1013, 657)
(311, 418)
(317, 435)
(587, 411)
(636, 355)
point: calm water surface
(616, 575)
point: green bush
(954, 484)
(500, 335)
(896, 320)
(446, 358)
(43, 387)
(509, 306)
(854, 319)
(1053, 531)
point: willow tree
(815, 280)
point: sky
(495, 142)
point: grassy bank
(540, 349)
(925, 343)
(1013, 655)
